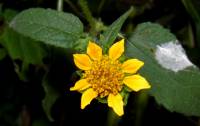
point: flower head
(105, 76)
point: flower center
(105, 76)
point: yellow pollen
(105, 76)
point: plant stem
(88, 15)
(100, 6)
(60, 5)
(72, 6)
(25, 117)
(112, 119)
(141, 104)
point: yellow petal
(82, 61)
(87, 97)
(94, 51)
(136, 82)
(116, 103)
(132, 65)
(80, 85)
(116, 50)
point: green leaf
(23, 48)
(49, 26)
(176, 90)
(50, 98)
(112, 31)
(81, 44)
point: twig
(60, 5)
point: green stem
(141, 103)
(112, 119)
(100, 6)
(60, 5)
(88, 15)
(72, 6)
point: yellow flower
(104, 75)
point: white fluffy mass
(172, 56)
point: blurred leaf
(2, 53)
(112, 31)
(192, 7)
(8, 113)
(8, 14)
(50, 98)
(22, 70)
(177, 91)
(23, 48)
(186, 34)
(40, 123)
(49, 26)
(1, 9)
(10, 41)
